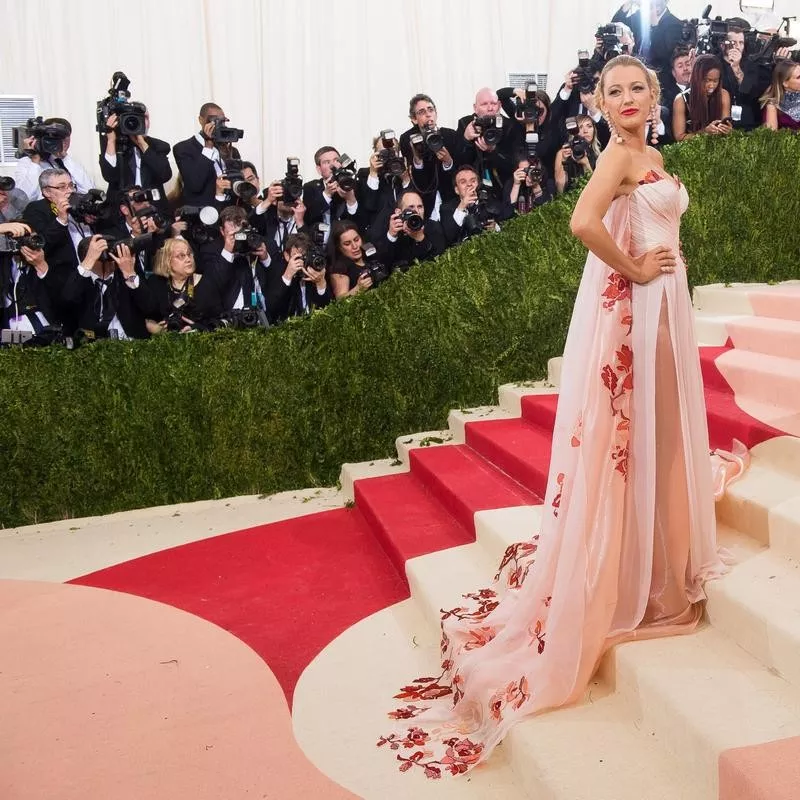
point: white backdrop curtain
(295, 75)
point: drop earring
(617, 138)
(653, 131)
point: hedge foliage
(121, 425)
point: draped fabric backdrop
(295, 75)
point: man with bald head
(489, 141)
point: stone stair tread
(704, 694)
(761, 363)
(610, 757)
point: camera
(377, 270)
(48, 139)
(345, 175)
(482, 212)
(232, 170)
(414, 221)
(534, 172)
(489, 128)
(610, 45)
(292, 183)
(246, 240)
(32, 240)
(223, 134)
(578, 146)
(585, 72)
(130, 115)
(244, 318)
(432, 138)
(314, 257)
(391, 161)
(6, 183)
(201, 221)
(528, 109)
(761, 47)
(136, 244)
(91, 204)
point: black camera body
(527, 110)
(32, 240)
(345, 175)
(244, 190)
(413, 220)
(48, 139)
(91, 204)
(391, 160)
(6, 183)
(243, 318)
(586, 69)
(247, 240)
(292, 183)
(136, 244)
(579, 147)
(611, 46)
(130, 115)
(432, 138)
(489, 128)
(314, 257)
(201, 221)
(376, 269)
(481, 213)
(224, 134)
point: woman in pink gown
(628, 533)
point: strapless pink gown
(628, 533)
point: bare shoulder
(656, 155)
(613, 169)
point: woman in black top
(346, 257)
(183, 299)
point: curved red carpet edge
(289, 588)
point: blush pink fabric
(628, 534)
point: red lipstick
(629, 112)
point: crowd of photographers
(77, 263)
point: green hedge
(121, 425)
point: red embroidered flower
(479, 637)
(537, 634)
(461, 754)
(557, 499)
(409, 712)
(620, 455)
(651, 177)
(609, 378)
(618, 289)
(416, 737)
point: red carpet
(290, 588)
(286, 589)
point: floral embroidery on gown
(629, 535)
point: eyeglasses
(60, 186)
(425, 110)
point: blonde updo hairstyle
(164, 256)
(626, 61)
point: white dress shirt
(27, 174)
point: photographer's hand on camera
(123, 258)
(469, 197)
(294, 266)
(300, 214)
(396, 225)
(97, 246)
(36, 259)
(364, 282)
(15, 229)
(317, 277)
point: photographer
(12, 204)
(706, 106)
(25, 282)
(182, 299)
(276, 219)
(410, 236)
(431, 151)
(466, 215)
(576, 97)
(127, 160)
(201, 160)
(742, 80)
(240, 265)
(324, 199)
(530, 110)
(529, 187)
(479, 133)
(781, 101)
(381, 184)
(348, 264)
(578, 155)
(36, 160)
(106, 295)
(304, 278)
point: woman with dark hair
(706, 106)
(568, 167)
(781, 102)
(346, 259)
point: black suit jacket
(664, 38)
(197, 173)
(511, 142)
(58, 250)
(316, 205)
(203, 307)
(32, 293)
(404, 251)
(132, 306)
(155, 170)
(432, 176)
(561, 110)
